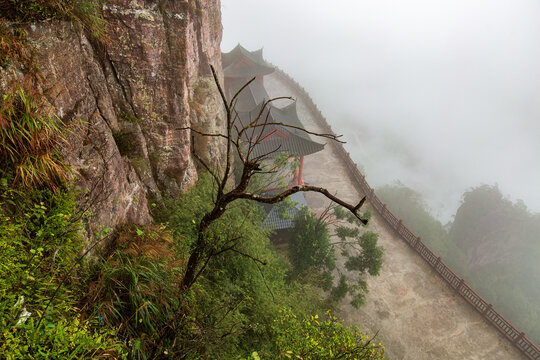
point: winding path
(422, 309)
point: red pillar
(300, 181)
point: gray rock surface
(126, 101)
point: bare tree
(243, 137)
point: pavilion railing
(526, 346)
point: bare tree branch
(248, 135)
(265, 283)
(205, 165)
(328, 136)
(248, 256)
(281, 196)
(201, 133)
(228, 160)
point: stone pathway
(419, 316)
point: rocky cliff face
(128, 100)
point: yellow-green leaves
(326, 339)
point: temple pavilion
(240, 66)
(273, 139)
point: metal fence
(526, 346)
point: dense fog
(441, 95)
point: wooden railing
(526, 346)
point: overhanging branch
(305, 188)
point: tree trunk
(198, 254)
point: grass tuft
(31, 135)
(85, 13)
(13, 45)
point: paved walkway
(419, 316)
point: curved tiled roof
(271, 139)
(241, 63)
(251, 96)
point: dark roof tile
(274, 220)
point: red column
(300, 181)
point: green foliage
(39, 273)
(137, 296)
(370, 258)
(482, 208)
(38, 239)
(311, 251)
(227, 312)
(243, 288)
(342, 214)
(285, 208)
(85, 13)
(325, 338)
(60, 338)
(409, 205)
(186, 212)
(30, 138)
(309, 248)
(286, 161)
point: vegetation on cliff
(42, 279)
(128, 300)
(42, 275)
(30, 137)
(123, 295)
(84, 13)
(68, 292)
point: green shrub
(38, 239)
(320, 338)
(312, 254)
(60, 338)
(310, 247)
(241, 290)
(39, 272)
(138, 296)
(226, 314)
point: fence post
(418, 239)
(437, 263)
(461, 282)
(488, 307)
(400, 226)
(521, 336)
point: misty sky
(442, 95)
